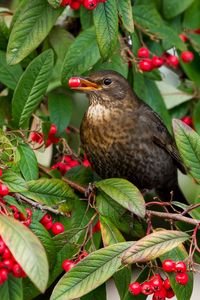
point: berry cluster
(75, 4)
(56, 227)
(26, 220)
(38, 137)
(157, 286)
(68, 163)
(147, 64)
(68, 264)
(8, 264)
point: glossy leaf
(27, 250)
(34, 22)
(124, 193)
(14, 181)
(125, 13)
(181, 292)
(81, 56)
(188, 143)
(11, 289)
(31, 88)
(173, 8)
(9, 75)
(90, 273)
(60, 109)
(110, 234)
(106, 26)
(28, 163)
(154, 245)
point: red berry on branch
(180, 267)
(160, 295)
(183, 37)
(157, 61)
(48, 225)
(187, 120)
(36, 137)
(17, 270)
(27, 222)
(197, 31)
(182, 278)
(143, 52)
(145, 65)
(6, 254)
(29, 212)
(135, 288)
(52, 130)
(8, 263)
(3, 275)
(187, 56)
(46, 219)
(4, 190)
(97, 227)
(68, 264)
(74, 82)
(90, 4)
(65, 3)
(156, 283)
(169, 293)
(57, 228)
(1, 172)
(167, 284)
(146, 288)
(75, 5)
(172, 61)
(168, 265)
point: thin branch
(37, 205)
(190, 208)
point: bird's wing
(163, 139)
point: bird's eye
(107, 81)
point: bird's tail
(174, 194)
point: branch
(37, 205)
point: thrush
(123, 137)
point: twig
(37, 205)
(191, 207)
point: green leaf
(192, 69)
(191, 16)
(28, 162)
(31, 27)
(188, 143)
(172, 8)
(90, 273)
(98, 294)
(86, 17)
(77, 62)
(49, 191)
(4, 34)
(14, 181)
(26, 249)
(9, 75)
(196, 119)
(154, 245)
(181, 292)
(31, 88)
(60, 109)
(125, 13)
(11, 289)
(106, 26)
(124, 193)
(110, 234)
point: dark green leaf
(172, 8)
(60, 109)
(196, 114)
(9, 75)
(26, 249)
(106, 26)
(77, 62)
(125, 13)
(31, 27)
(98, 294)
(154, 245)
(191, 16)
(124, 193)
(86, 17)
(14, 181)
(90, 273)
(31, 88)
(28, 162)
(12, 289)
(188, 143)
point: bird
(124, 138)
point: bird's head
(103, 87)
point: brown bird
(123, 137)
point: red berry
(1, 172)
(180, 267)
(29, 212)
(53, 139)
(17, 270)
(4, 190)
(183, 37)
(46, 219)
(53, 130)
(172, 61)
(187, 56)
(182, 278)
(135, 288)
(2, 246)
(14, 209)
(157, 61)
(160, 295)
(48, 225)
(90, 4)
(146, 288)
(145, 65)
(27, 222)
(8, 263)
(68, 265)
(197, 31)
(86, 163)
(3, 275)
(75, 5)
(167, 284)
(57, 228)
(169, 293)
(143, 52)
(168, 265)
(97, 227)
(36, 137)
(65, 3)
(156, 283)
(74, 82)
(6, 254)
(188, 121)
(82, 255)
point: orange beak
(83, 84)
